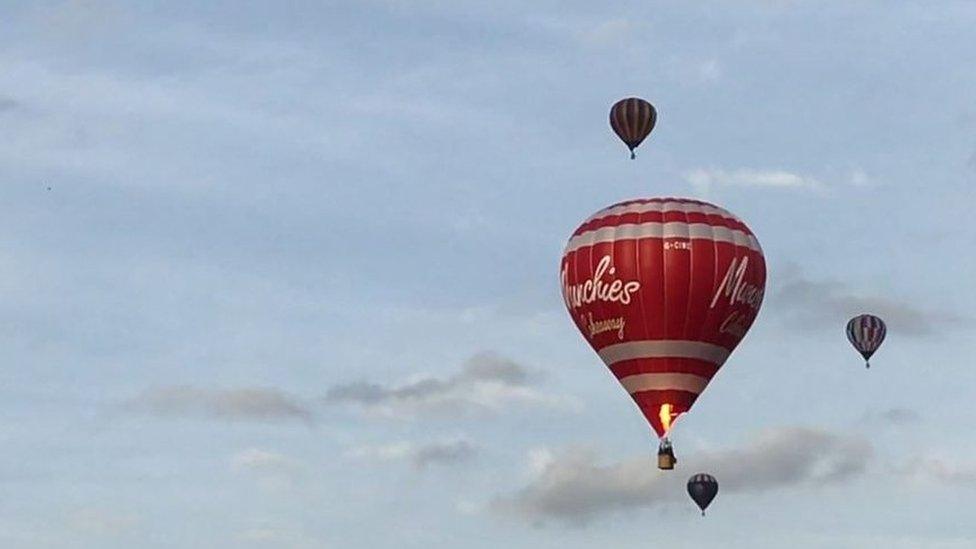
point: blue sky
(295, 281)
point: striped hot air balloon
(632, 119)
(866, 333)
(663, 289)
(702, 488)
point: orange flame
(666, 417)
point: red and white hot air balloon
(663, 289)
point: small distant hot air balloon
(663, 290)
(632, 119)
(702, 488)
(866, 332)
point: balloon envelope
(663, 289)
(632, 119)
(866, 333)
(702, 488)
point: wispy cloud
(859, 178)
(576, 487)
(276, 536)
(612, 32)
(953, 473)
(272, 470)
(486, 382)
(827, 304)
(255, 459)
(956, 474)
(704, 179)
(8, 104)
(710, 71)
(421, 456)
(253, 404)
(897, 416)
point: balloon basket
(665, 456)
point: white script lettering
(735, 287)
(595, 288)
(608, 325)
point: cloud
(276, 536)
(576, 488)
(254, 404)
(791, 456)
(273, 471)
(893, 416)
(703, 179)
(859, 178)
(710, 71)
(955, 474)
(263, 535)
(613, 32)
(444, 453)
(421, 456)
(8, 104)
(827, 304)
(254, 459)
(485, 382)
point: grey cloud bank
(575, 487)
(486, 382)
(829, 304)
(253, 404)
(420, 455)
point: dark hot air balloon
(663, 289)
(702, 488)
(866, 332)
(632, 119)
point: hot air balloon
(866, 332)
(663, 289)
(702, 488)
(632, 119)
